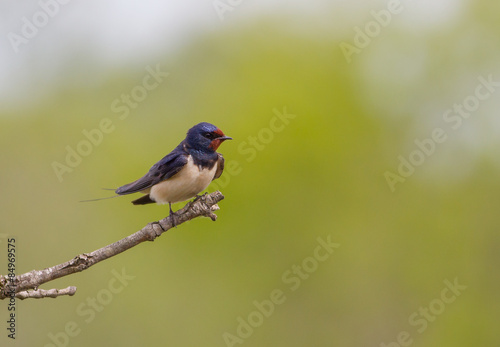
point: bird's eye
(208, 135)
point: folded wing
(220, 166)
(161, 171)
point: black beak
(223, 138)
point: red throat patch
(215, 144)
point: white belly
(184, 185)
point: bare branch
(200, 207)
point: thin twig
(40, 293)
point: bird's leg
(172, 215)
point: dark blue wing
(220, 166)
(161, 171)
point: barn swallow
(184, 172)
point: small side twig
(40, 293)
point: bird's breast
(184, 185)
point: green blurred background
(322, 175)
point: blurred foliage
(323, 175)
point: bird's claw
(172, 216)
(198, 197)
(173, 219)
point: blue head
(205, 137)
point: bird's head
(206, 136)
